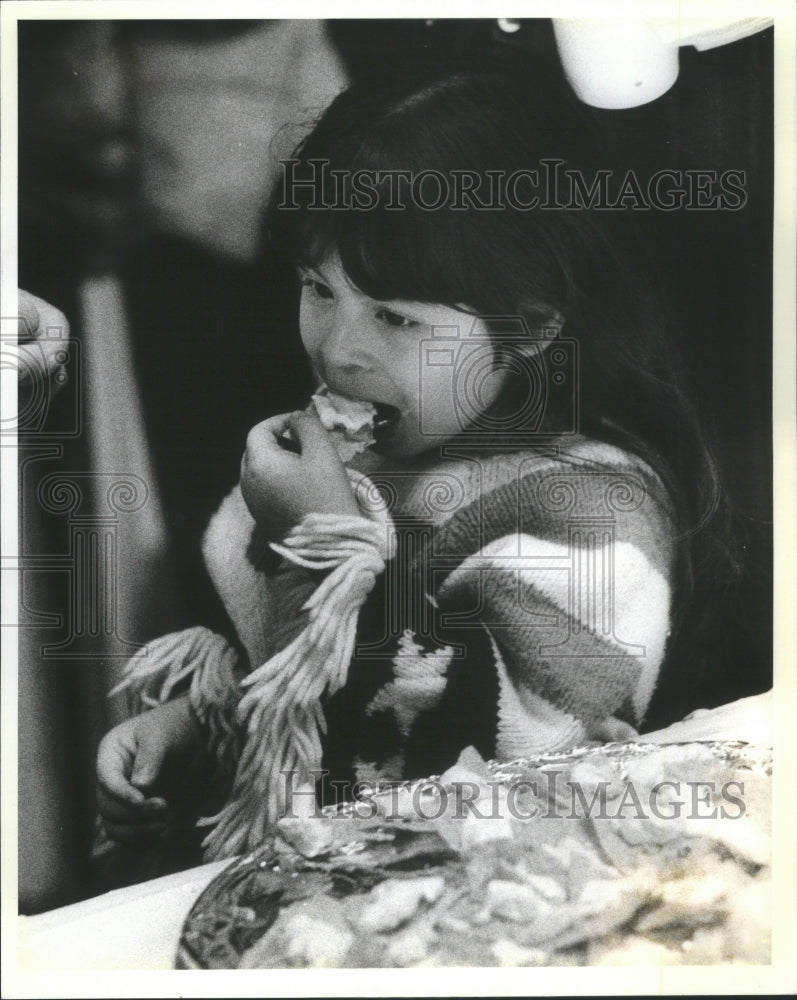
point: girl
(506, 566)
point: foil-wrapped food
(614, 855)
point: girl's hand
(130, 759)
(280, 487)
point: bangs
(392, 255)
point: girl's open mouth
(386, 417)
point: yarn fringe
(153, 675)
(281, 710)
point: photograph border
(780, 977)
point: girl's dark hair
(546, 265)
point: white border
(781, 976)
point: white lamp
(622, 63)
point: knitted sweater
(525, 602)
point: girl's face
(427, 368)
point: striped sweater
(525, 607)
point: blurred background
(147, 152)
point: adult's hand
(43, 335)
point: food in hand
(349, 421)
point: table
(139, 927)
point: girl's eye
(393, 319)
(318, 288)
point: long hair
(576, 269)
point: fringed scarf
(275, 729)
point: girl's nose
(345, 348)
